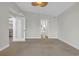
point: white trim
(18, 40)
(40, 38)
(52, 37)
(33, 38)
(6, 46)
(70, 44)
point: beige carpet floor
(38, 47)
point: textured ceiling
(53, 8)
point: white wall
(4, 26)
(33, 25)
(14, 9)
(69, 26)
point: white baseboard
(40, 38)
(52, 37)
(6, 46)
(18, 40)
(33, 37)
(70, 44)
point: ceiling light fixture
(41, 4)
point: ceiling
(53, 8)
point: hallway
(37, 47)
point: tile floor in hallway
(38, 47)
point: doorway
(16, 29)
(10, 29)
(44, 29)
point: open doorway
(44, 29)
(12, 27)
(16, 29)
